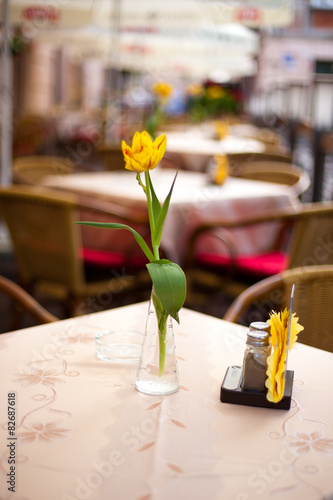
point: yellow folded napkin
(276, 361)
(221, 169)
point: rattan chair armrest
(228, 240)
(251, 294)
(269, 216)
(221, 229)
(20, 296)
(221, 234)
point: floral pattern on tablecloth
(301, 437)
(41, 378)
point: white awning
(150, 15)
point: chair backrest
(268, 136)
(275, 171)
(31, 170)
(306, 234)
(33, 135)
(45, 239)
(21, 297)
(112, 157)
(311, 241)
(236, 159)
(312, 303)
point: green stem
(151, 215)
(161, 366)
(156, 252)
(162, 320)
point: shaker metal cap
(260, 325)
(257, 338)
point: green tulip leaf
(169, 283)
(163, 213)
(156, 206)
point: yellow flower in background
(162, 90)
(222, 129)
(276, 361)
(214, 92)
(195, 89)
(221, 171)
(144, 154)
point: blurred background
(79, 75)
(83, 71)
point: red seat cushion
(102, 258)
(111, 260)
(260, 264)
(265, 264)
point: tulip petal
(136, 143)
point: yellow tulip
(168, 279)
(144, 154)
(162, 90)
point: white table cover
(194, 149)
(84, 432)
(193, 201)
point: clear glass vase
(158, 372)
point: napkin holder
(232, 392)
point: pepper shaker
(255, 359)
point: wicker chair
(322, 151)
(31, 170)
(274, 171)
(312, 302)
(111, 157)
(49, 247)
(23, 300)
(236, 159)
(304, 238)
(33, 135)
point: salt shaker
(255, 357)
(260, 325)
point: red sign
(248, 15)
(137, 48)
(39, 13)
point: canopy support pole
(6, 103)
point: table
(193, 201)
(193, 149)
(84, 432)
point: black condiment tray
(232, 392)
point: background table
(193, 201)
(193, 149)
(84, 432)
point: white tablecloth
(194, 149)
(193, 201)
(84, 432)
